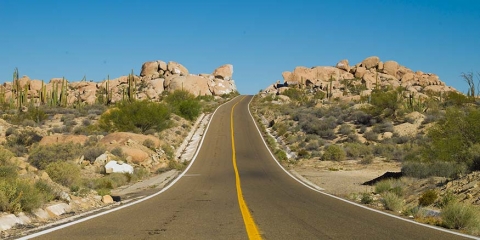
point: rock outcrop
(155, 78)
(367, 75)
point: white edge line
(344, 200)
(132, 203)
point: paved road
(206, 202)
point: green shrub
(111, 181)
(281, 155)
(117, 151)
(454, 138)
(64, 173)
(382, 127)
(366, 198)
(173, 164)
(136, 116)
(190, 109)
(386, 150)
(303, 153)
(294, 94)
(138, 174)
(439, 169)
(169, 151)
(5, 156)
(448, 198)
(149, 143)
(46, 190)
(345, 129)
(461, 216)
(184, 104)
(392, 201)
(8, 171)
(355, 150)
(367, 159)
(370, 136)
(428, 198)
(333, 153)
(384, 104)
(19, 141)
(41, 156)
(103, 191)
(383, 186)
(18, 195)
(93, 152)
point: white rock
(8, 221)
(41, 214)
(58, 209)
(114, 167)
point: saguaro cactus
(132, 86)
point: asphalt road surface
(239, 192)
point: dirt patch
(346, 177)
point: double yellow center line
(251, 227)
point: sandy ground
(346, 177)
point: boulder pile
(367, 75)
(155, 78)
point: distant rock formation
(155, 78)
(368, 74)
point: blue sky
(47, 38)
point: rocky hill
(155, 78)
(344, 80)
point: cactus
(54, 99)
(330, 87)
(16, 87)
(43, 94)
(108, 91)
(132, 85)
(2, 95)
(63, 93)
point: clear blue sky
(47, 39)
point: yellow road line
(251, 227)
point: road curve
(204, 203)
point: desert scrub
(461, 216)
(447, 198)
(428, 198)
(382, 127)
(383, 186)
(180, 166)
(392, 201)
(367, 159)
(281, 155)
(366, 198)
(18, 195)
(138, 174)
(169, 151)
(429, 169)
(395, 186)
(184, 104)
(333, 153)
(64, 173)
(149, 143)
(370, 136)
(19, 141)
(345, 129)
(355, 150)
(136, 116)
(41, 156)
(93, 152)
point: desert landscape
(342, 128)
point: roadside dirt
(346, 177)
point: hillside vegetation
(37, 168)
(437, 136)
